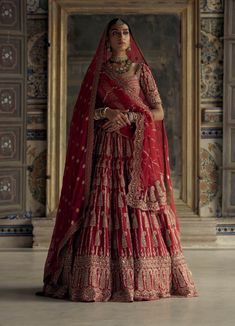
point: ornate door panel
(12, 107)
(228, 203)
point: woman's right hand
(117, 119)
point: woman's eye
(116, 33)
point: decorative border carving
(208, 133)
(13, 106)
(16, 230)
(225, 229)
(10, 144)
(11, 12)
(212, 116)
(11, 60)
(11, 190)
(36, 134)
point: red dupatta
(150, 147)
(150, 176)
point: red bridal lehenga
(116, 234)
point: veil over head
(75, 190)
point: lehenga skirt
(122, 253)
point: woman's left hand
(116, 124)
(112, 126)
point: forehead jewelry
(119, 22)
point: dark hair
(113, 22)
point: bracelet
(132, 116)
(100, 113)
(104, 111)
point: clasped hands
(117, 119)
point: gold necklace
(122, 69)
(118, 59)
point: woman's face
(119, 37)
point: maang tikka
(119, 22)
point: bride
(117, 234)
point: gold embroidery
(127, 220)
(161, 194)
(143, 239)
(120, 200)
(97, 274)
(149, 86)
(100, 278)
(155, 241)
(93, 218)
(104, 220)
(146, 219)
(124, 242)
(134, 198)
(134, 221)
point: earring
(129, 48)
(108, 47)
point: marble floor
(213, 271)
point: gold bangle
(100, 113)
(132, 116)
(104, 111)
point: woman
(117, 235)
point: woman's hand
(117, 119)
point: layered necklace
(122, 69)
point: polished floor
(213, 271)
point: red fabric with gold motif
(151, 161)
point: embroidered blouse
(142, 80)
(149, 86)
